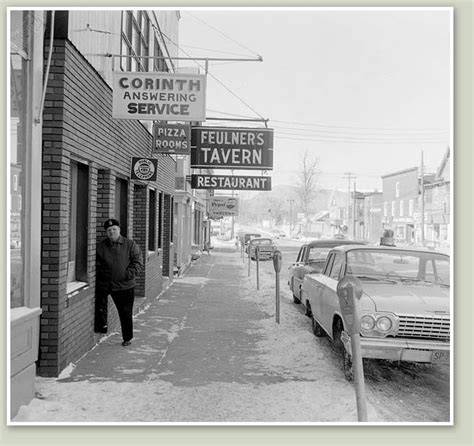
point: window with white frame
(411, 207)
(158, 63)
(401, 208)
(385, 208)
(397, 189)
(78, 222)
(393, 208)
(135, 43)
(152, 220)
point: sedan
(310, 259)
(266, 248)
(404, 306)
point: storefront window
(19, 70)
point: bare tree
(306, 183)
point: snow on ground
(311, 390)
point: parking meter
(277, 261)
(348, 288)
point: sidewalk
(196, 333)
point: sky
(363, 91)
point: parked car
(266, 248)
(249, 236)
(310, 259)
(405, 303)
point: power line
(306, 124)
(215, 78)
(222, 33)
(362, 141)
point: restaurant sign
(223, 206)
(172, 138)
(230, 182)
(232, 148)
(159, 96)
(144, 169)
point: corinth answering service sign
(159, 96)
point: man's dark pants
(123, 300)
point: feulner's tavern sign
(232, 148)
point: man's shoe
(125, 343)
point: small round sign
(144, 169)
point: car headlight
(378, 325)
(384, 323)
(367, 322)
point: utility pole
(422, 174)
(349, 177)
(354, 214)
(291, 201)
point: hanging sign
(144, 169)
(172, 138)
(223, 206)
(159, 96)
(230, 182)
(232, 148)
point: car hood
(407, 299)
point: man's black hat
(111, 222)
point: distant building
(401, 195)
(373, 210)
(438, 206)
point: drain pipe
(51, 39)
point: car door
(329, 301)
(296, 273)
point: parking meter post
(248, 255)
(277, 267)
(277, 297)
(257, 257)
(357, 364)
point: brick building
(72, 163)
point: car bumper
(394, 349)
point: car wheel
(347, 365)
(307, 309)
(337, 329)
(317, 329)
(296, 299)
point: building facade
(438, 206)
(401, 203)
(70, 169)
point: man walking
(119, 261)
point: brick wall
(78, 125)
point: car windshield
(262, 242)
(318, 254)
(399, 266)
